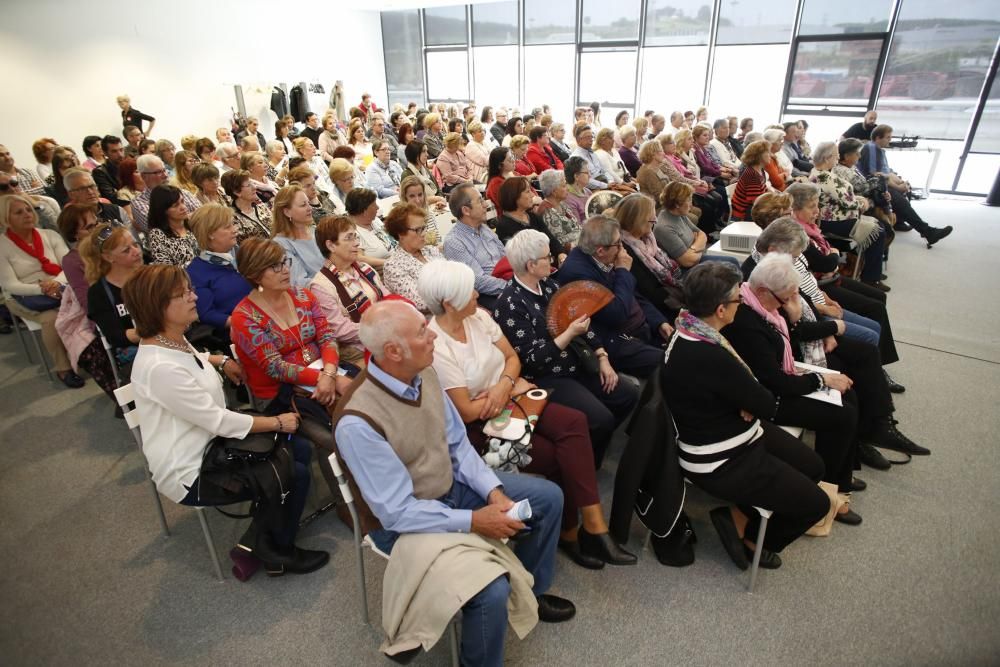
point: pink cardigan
(454, 167)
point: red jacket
(542, 158)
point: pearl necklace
(166, 342)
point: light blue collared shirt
(385, 482)
(596, 168)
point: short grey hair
(460, 197)
(555, 127)
(751, 137)
(626, 131)
(74, 175)
(526, 246)
(775, 272)
(273, 145)
(225, 150)
(444, 280)
(597, 231)
(719, 122)
(774, 136)
(147, 163)
(802, 194)
(784, 234)
(380, 326)
(825, 151)
(549, 180)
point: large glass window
(822, 17)
(937, 63)
(445, 26)
(987, 139)
(549, 21)
(495, 75)
(404, 63)
(666, 85)
(756, 21)
(840, 73)
(734, 93)
(608, 77)
(669, 23)
(610, 21)
(548, 79)
(494, 23)
(448, 75)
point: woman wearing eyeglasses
(346, 286)
(406, 223)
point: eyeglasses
(616, 244)
(544, 258)
(350, 238)
(85, 187)
(418, 230)
(188, 292)
(778, 298)
(9, 185)
(284, 265)
(738, 299)
(153, 173)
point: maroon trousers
(560, 452)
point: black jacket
(298, 103)
(279, 103)
(649, 480)
(507, 227)
(106, 180)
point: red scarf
(37, 250)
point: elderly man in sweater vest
(407, 448)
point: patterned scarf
(666, 270)
(812, 350)
(696, 328)
(815, 235)
(776, 321)
(35, 249)
(218, 258)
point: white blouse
(181, 408)
(476, 364)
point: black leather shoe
(5, 328)
(303, 561)
(850, 517)
(894, 386)
(572, 549)
(901, 226)
(857, 484)
(768, 559)
(879, 285)
(890, 437)
(936, 234)
(71, 379)
(552, 609)
(604, 548)
(872, 457)
(724, 526)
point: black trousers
(714, 211)
(635, 355)
(904, 211)
(836, 432)
(861, 362)
(870, 302)
(778, 473)
(605, 411)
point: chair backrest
(125, 395)
(366, 517)
(385, 205)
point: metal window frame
(472, 34)
(817, 39)
(385, 62)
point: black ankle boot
(604, 548)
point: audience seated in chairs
(416, 165)
(205, 177)
(481, 372)
(711, 167)
(631, 327)
(341, 173)
(255, 164)
(726, 444)
(472, 243)
(713, 210)
(362, 209)
(629, 151)
(801, 165)
(501, 167)
(675, 231)
(411, 191)
(558, 218)
(292, 229)
(563, 363)
(32, 278)
(153, 174)
(540, 154)
(321, 204)
(169, 239)
(447, 489)
(405, 223)
(181, 407)
(383, 174)
(213, 274)
(752, 181)
(517, 201)
(451, 163)
(843, 214)
(577, 175)
(345, 287)
(477, 151)
(307, 151)
(608, 156)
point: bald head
(387, 327)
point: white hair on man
(381, 325)
(824, 152)
(775, 272)
(444, 280)
(75, 176)
(751, 137)
(226, 150)
(549, 180)
(773, 136)
(148, 163)
(526, 246)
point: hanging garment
(337, 101)
(299, 103)
(279, 102)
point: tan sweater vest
(414, 429)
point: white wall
(65, 62)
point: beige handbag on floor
(822, 528)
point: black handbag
(588, 359)
(258, 468)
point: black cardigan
(761, 346)
(706, 387)
(507, 227)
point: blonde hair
(769, 207)
(248, 159)
(602, 134)
(430, 119)
(641, 125)
(209, 219)
(300, 142)
(280, 223)
(519, 141)
(5, 203)
(755, 153)
(95, 265)
(634, 211)
(680, 136)
(182, 178)
(451, 139)
(340, 168)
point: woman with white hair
(574, 364)
(477, 151)
(843, 213)
(481, 372)
(760, 334)
(628, 152)
(781, 169)
(560, 222)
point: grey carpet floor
(87, 577)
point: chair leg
(453, 641)
(159, 504)
(758, 547)
(361, 562)
(20, 336)
(210, 543)
(41, 355)
(649, 538)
